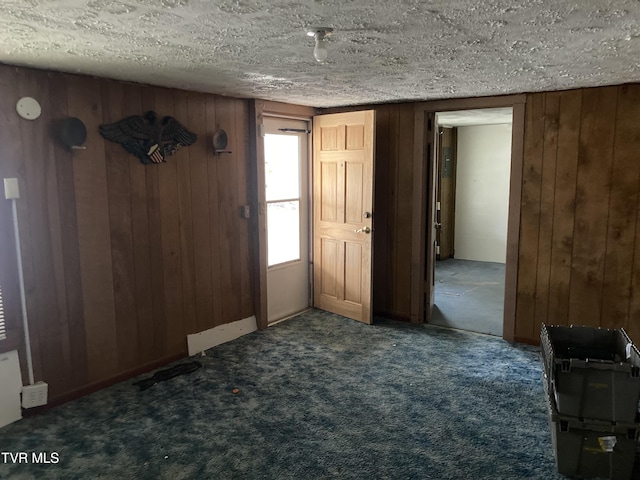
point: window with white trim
(3, 332)
(283, 195)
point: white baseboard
(199, 342)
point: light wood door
(343, 147)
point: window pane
(281, 166)
(283, 227)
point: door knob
(367, 215)
(363, 230)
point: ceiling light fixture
(320, 34)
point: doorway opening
(286, 167)
(473, 157)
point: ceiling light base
(324, 31)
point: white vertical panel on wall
(11, 382)
(482, 192)
(3, 333)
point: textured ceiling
(381, 50)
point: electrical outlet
(11, 189)
(34, 395)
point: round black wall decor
(72, 132)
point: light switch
(11, 189)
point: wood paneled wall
(579, 248)
(392, 210)
(122, 260)
(579, 260)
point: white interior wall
(482, 192)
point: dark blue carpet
(319, 397)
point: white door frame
(258, 111)
(277, 275)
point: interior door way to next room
(286, 157)
(473, 153)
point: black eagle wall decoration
(146, 137)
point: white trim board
(199, 342)
(11, 381)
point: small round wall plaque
(28, 108)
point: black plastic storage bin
(592, 448)
(592, 372)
